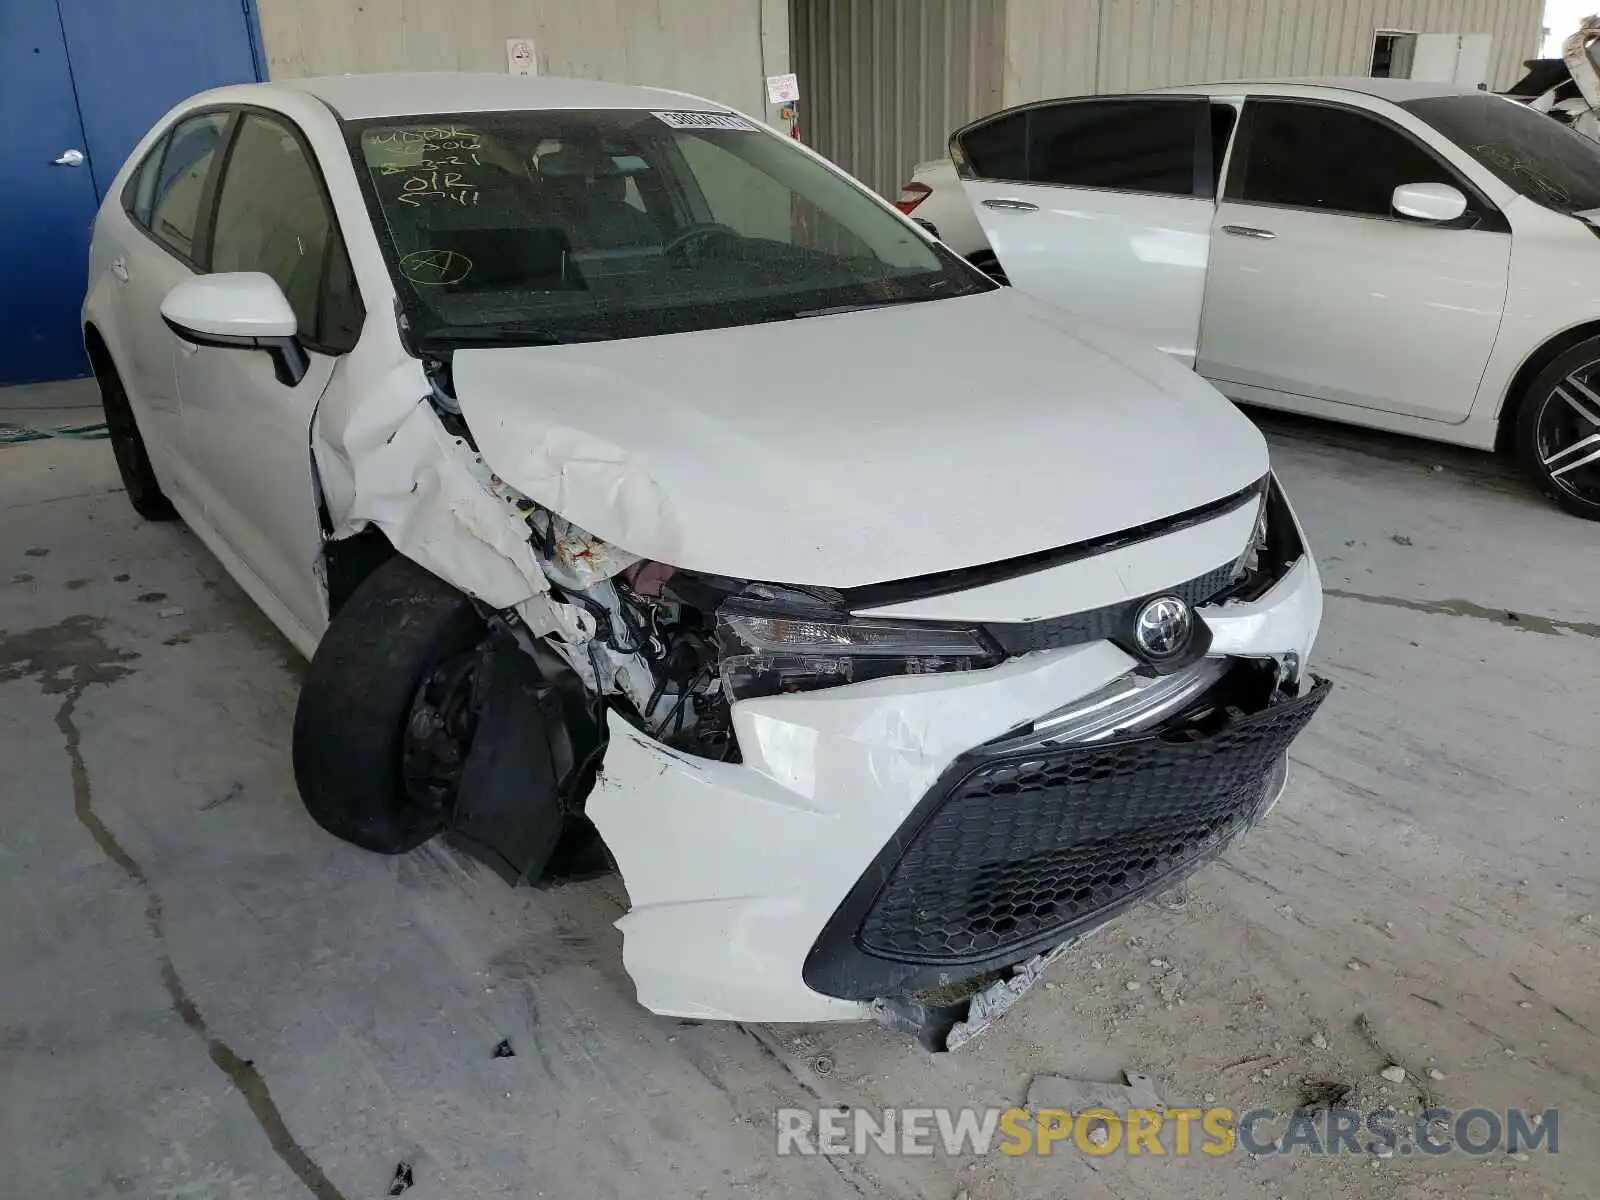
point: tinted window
(1538, 156)
(175, 206)
(548, 225)
(998, 149)
(1128, 145)
(1317, 156)
(271, 217)
(1223, 118)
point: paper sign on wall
(520, 58)
(783, 89)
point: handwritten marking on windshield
(435, 268)
(413, 138)
(444, 185)
(1508, 160)
(430, 164)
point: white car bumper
(735, 871)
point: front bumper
(1015, 851)
(746, 879)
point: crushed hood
(860, 447)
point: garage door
(884, 82)
(80, 82)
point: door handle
(119, 268)
(1012, 205)
(69, 158)
(1249, 231)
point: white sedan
(1409, 256)
(565, 426)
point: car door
(154, 252)
(1317, 289)
(1103, 207)
(250, 434)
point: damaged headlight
(766, 647)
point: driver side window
(1319, 156)
(272, 217)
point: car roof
(427, 93)
(1396, 90)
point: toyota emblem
(1163, 627)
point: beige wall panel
(710, 47)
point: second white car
(1409, 256)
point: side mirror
(1429, 201)
(928, 226)
(239, 310)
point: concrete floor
(205, 996)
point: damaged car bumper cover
(1013, 851)
(916, 837)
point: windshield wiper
(509, 333)
(937, 289)
(862, 306)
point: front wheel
(1558, 430)
(385, 719)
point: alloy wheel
(1567, 434)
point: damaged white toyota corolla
(645, 490)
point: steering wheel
(694, 235)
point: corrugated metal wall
(1071, 47)
(713, 48)
(882, 82)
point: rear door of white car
(1103, 206)
(152, 253)
(1318, 290)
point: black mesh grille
(1100, 624)
(1206, 587)
(1035, 844)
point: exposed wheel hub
(439, 732)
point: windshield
(1535, 154)
(541, 226)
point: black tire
(397, 630)
(133, 462)
(1551, 424)
(986, 262)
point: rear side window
(1129, 144)
(997, 149)
(141, 193)
(1124, 145)
(272, 217)
(1224, 117)
(1318, 156)
(175, 202)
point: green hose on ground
(15, 435)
